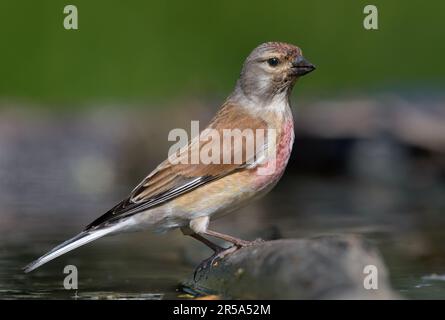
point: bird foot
(212, 260)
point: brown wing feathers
(169, 180)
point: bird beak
(302, 66)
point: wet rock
(328, 267)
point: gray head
(271, 69)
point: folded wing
(170, 180)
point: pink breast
(283, 151)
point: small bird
(188, 195)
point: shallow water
(407, 230)
(47, 194)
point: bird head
(271, 69)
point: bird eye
(273, 62)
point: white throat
(279, 104)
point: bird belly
(216, 198)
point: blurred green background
(157, 51)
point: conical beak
(302, 66)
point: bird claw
(211, 261)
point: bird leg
(207, 242)
(236, 241)
(187, 231)
(219, 252)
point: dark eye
(273, 62)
